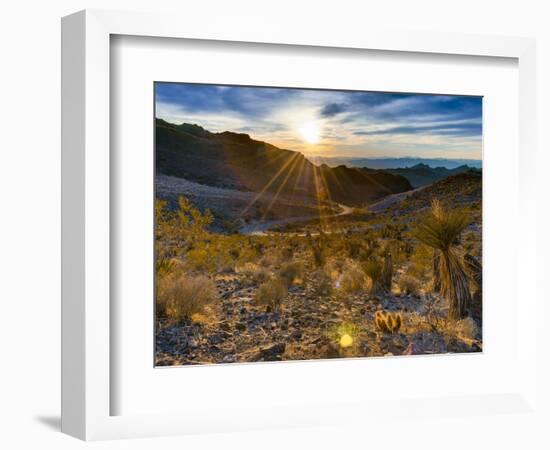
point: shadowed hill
(236, 161)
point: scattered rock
(271, 353)
(330, 351)
(296, 335)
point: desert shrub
(258, 246)
(398, 250)
(254, 273)
(317, 246)
(387, 322)
(291, 272)
(318, 255)
(465, 331)
(354, 247)
(271, 293)
(199, 260)
(224, 252)
(466, 328)
(289, 247)
(391, 231)
(234, 252)
(248, 253)
(352, 279)
(335, 266)
(181, 296)
(287, 252)
(192, 223)
(218, 253)
(374, 270)
(270, 259)
(323, 284)
(408, 284)
(162, 220)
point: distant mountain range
(422, 174)
(396, 163)
(236, 161)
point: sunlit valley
(265, 253)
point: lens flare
(346, 341)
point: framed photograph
(267, 229)
(365, 240)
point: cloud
(333, 109)
(430, 107)
(445, 129)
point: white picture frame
(86, 220)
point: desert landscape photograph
(307, 224)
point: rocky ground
(310, 325)
(307, 327)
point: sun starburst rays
(269, 183)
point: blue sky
(332, 123)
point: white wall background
(30, 198)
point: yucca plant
(440, 230)
(436, 271)
(374, 271)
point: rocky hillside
(460, 190)
(236, 161)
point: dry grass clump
(291, 273)
(180, 296)
(409, 285)
(421, 263)
(388, 322)
(432, 321)
(465, 329)
(352, 279)
(335, 266)
(253, 272)
(270, 260)
(287, 252)
(355, 248)
(271, 293)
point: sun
(310, 132)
